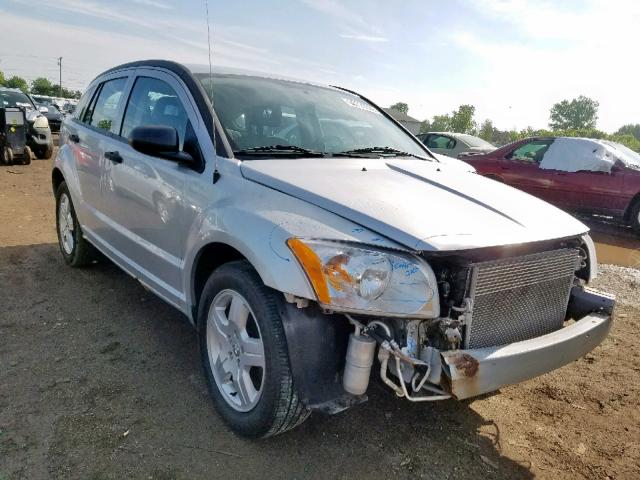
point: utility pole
(60, 85)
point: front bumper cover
(39, 137)
(468, 373)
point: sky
(512, 59)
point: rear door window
(441, 141)
(105, 109)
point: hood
(417, 203)
(453, 162)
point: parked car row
(304, 233)
(585, 175)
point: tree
(2, 80)
(630, 130)
(42, 86)
(462, 119)
(487, 131)
(579, 113)
(401, 107)
(441, 123)
(425, 126)
(17, 82)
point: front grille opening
(520, 298)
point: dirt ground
(101, 380)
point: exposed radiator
(520, 298)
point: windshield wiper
(284, 150)
(381, 151)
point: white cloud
(557, 54)
(364, 38)
(154, 4)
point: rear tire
(76, 251)
(7, 156)
(269, 404)
(634, 219)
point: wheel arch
(56, 179)
(634, 201)
(209, 258)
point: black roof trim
(195, 87)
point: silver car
(308, 237)
(454, 144)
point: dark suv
(38, 134)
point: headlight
(365, 280)
(41, 122)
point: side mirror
(43, 109)
(158, 141)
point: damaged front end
(506, 314)
(505, 317)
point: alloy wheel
(235, 350)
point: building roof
(400, 116)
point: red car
(583, 175)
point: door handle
(115, 156)
(74, 138)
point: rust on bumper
(469, 373)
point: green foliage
(401, 107)
(631, 129)
(42, 86)
(628, 140)
(579, 113)
(462, 119)
(487, 130)
(425, 126)
(441, 123)
(2, 80)
(17, 82)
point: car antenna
(216, 173)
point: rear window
(475, 141)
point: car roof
(8, 89)
(194, 69)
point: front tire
(26, 156)
(244, 354)
(76, 251)
(7, 156)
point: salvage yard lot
(99, 379)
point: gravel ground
(101, 380)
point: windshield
(625, 154)
(264, 113)
(15, 99)
(475, 141)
